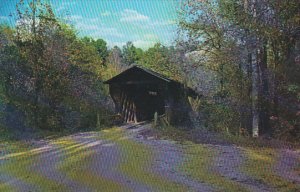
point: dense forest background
(241, 56)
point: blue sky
(144, 22)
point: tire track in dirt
(288, 160)
(167, 158)
(106, 157)
(47, 166)
(9, 178)
(16, 184)
(229, 162)
(105, 162)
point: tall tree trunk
(275, 81)
(254, 96)
(36, 74)
(263, 99)
(249, 93)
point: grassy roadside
(5, 187)
(17, 163)
(137, 162)
(75, 164)
(260, 164)
(75, 161)
(6, 148)
(199, 165)
(261, 158)
(17, 158)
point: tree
(272, 27)
(131, 54)
(115, 56)
(114, 62)
(100, 45)
(58, 68)
(211, 43)
(85, 56)
(158, 58)
(40, 41)
(258, 40)
(48, 73)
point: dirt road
(124, 159)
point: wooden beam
(135, 117)
(124, 106)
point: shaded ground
(96, 161)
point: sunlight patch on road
(261, 163)
(92, 144)
(32, 152)
(108, 145)
(74, 162)
(19, 167)
(123, 138)
(6, 187)
(137, 162)
(75, 165)
(200, 166)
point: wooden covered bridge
(138, 93)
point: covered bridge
(138, 93)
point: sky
(143, 22)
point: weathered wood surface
(139, 93)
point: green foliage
(252, 47)
(131, 54)
(85, 56)
(49, 73)
(100, 46)
(114, 63)
(158, 58)
(293, 88)
(220, 117)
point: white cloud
(104, 32)
(105, 13)
(94, 27)
(68, 3)
(93, 20)
(171, 22)
(3, 18)
(129, 15)
(111, 31)
(151, 36)
(75, 17)
(60, 9)
(111, 44)
(65, 6)
(85, 26)
(162, 23)
(144, 44)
